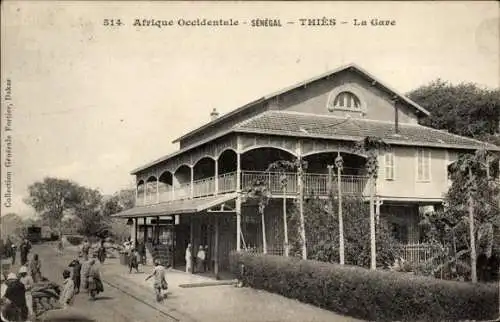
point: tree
(120, 201)
(371, 147)
(323, 233)
(52, 197)
(89, 211)
(259, 192)
(298, 165)
(463, 109)
(466, 225)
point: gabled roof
(314, 126)
(351, 129)
(354, 67)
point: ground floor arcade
(222, 224)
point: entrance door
(182, 239)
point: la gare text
(258, 22)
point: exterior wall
(314, 99)
(223, 125)
(405, 184)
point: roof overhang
(177, 207)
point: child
(76, 274)
(134, 261)
(160, 282)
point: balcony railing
(316, 184)
(418, 253)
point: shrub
(365, 294)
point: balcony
(316, 184)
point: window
(423, 165)
(347, 100)
(400, 232)
(389, 165)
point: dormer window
(347, 100)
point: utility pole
(339, 163)
(471, 230)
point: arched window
(347, 100)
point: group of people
(136, 254)
(16, 291)
(201, 261)
(9, 250)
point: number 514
(112, 22)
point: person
(68, 291)
(141, 247)
(85, 249)
(15, 298)
(160, 282)
(200, 259)
(205, 262)
(101, 252)
(36, 268)
(76, 268)
(27, 280)
(60, 247)
(133, 261)
(189, 259)
(8, 248)
(14, 253)
(24, 250)
(85, 272)
(94, 277)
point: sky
(92, 102)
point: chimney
(214, 114)
(396, 115)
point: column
(238, 202)
(145, 230)
(192, 182)
(157, 190)
(136, 193)
(216, 248)
(238, 223)
(191, 241)
(157, 237)
(136, 224)
(216, 178)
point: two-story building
(199, 187)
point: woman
(101, 253)
(28, 285)
(68, 291)
(36, 268)
(160, 283)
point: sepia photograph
(256, 161)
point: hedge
(366, 294)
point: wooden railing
(204, 187)
(313, 184)
(182, 191)
(227, 182)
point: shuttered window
(389, 165)
(423, 165)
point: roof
(351, 66)
(175, 207)
(352, 129)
